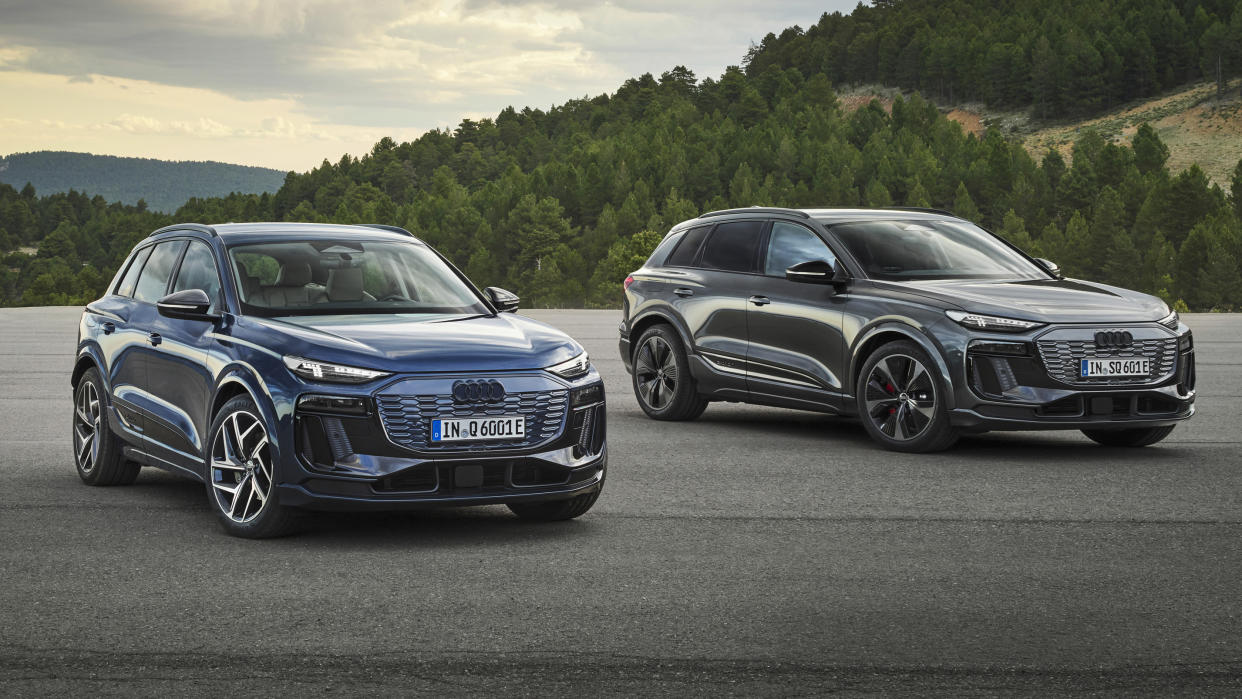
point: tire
(241, 483)
(662, 382)
(96, 451)
(556, 511)
(1136, 437)
(900, 400)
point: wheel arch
(652, 318)
(88, 359)
(893, 331)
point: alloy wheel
(655, 369)
(241, 467)
(900, 397)
(88, 418)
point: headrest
(249, 284)
(345, 284)
(294, 274)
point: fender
(911, 331)
(243, 376)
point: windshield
(903, 250)
(319, 277)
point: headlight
(572, 369)
(331, 373)
(1170, 321)
(976, 321)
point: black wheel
(96, 451)
(662, 381)
(241, 473)
(555, 511)
(900, 400)
(1137, 437)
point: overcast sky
(287, 83)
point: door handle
(759, 300)
(154, 338)
(684, 292)
(108, 327)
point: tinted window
(686, 250)
(657, 256)
(198, 271)
(154, 278)
(126, 287)
(791, 244)
(733, 246)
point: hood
(418, 342)
(1044, 300)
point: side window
(733, 247)
(198, 271)
(657, 257)
(791, 244)
(688, 248)
(154, 277)
(126, 287)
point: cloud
(380, 66)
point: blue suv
(294, 367)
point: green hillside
(164, 185)
(559, 205)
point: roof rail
(201, 228)
(394, 229)
(757, 210)
(922, 209)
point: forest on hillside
(1065, 58)
(162, 185)
(559, 205)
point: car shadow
(1056, 445)
(428, 528)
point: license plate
(473, 429)
(1122, 366)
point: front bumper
(440, 488)
(372, 449)
(1041, 388)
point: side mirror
(817, 272)
(190, 304)
(504, 301)
(1053, 268)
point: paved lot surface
(753, 551)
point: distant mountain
(164, 184)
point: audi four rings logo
(478, 391)
(1113, 338)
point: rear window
(688, 248)
(126, 287)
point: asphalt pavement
(754, 551)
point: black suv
(920, 323)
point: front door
(796, 349)
(178, 376)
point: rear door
(152, 285)
(121, 344)
(713, 298)
(796, 348)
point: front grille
(407, 419)
(1062, 359)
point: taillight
(628, 281)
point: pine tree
(1150, 153)
(963, 205)
(1077, 244)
